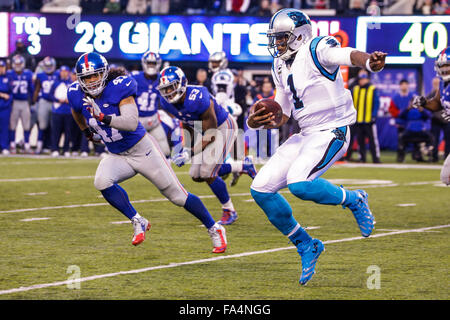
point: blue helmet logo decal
(298, 18)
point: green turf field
(408, 256)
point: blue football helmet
(442, 64)
(88, 65)
(172, 84)
(18, 63)
(151, 63)
(48, 65)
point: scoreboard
(176, 38)
(406, 39)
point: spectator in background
(415, 132)
(438, 125)
(7, 4)
(261, 10)
(201, 79)
(366, 101)
(137, 7)
(61, 120)
(240, 93)
(357, 8)
(400, 102)
(22, 50)
(5, 108)
(237, 6)
(92, 6)
(112, 6)
(160, 6)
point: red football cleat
(140, 225)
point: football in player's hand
(270, 105)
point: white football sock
(228, 205)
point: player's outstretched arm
(373, 62)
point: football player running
(441, 101)
(196, 108)
(222, 87)
(309, 87)
(103, 105)
(148, 98)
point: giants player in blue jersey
(22, 92)
(148, 98)
(43, 84)
(103, 105)
(441, 101)
(196, 108)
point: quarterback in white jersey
(309, 87)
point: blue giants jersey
(115, 91)
(444, 92)
(147, 97)
(197, 101)
(5, 87)
(22, 84)
(46, 81)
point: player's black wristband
(106, 119)
(88, 133)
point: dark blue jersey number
(298, 103)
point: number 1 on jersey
(298, 103)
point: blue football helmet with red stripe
(151, 63)
(92, 71)
(172, 84)
(442, 64)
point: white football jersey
(312, 89)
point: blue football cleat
(362, 213)
(228, 217)
(249, 168)
(309, 254)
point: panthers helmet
(48, 65)
(18, 63)
(442, 64)
(217, 61)
(285, 27)
(151, 63)
(172, 84)
(90, 64)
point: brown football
(271, 106)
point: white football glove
(181, 158)
(93, 108)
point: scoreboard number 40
(412, 40)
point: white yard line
(46, 179)
(218, 258)
(34, 219)
(388, 166)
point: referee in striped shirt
(366, 101)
